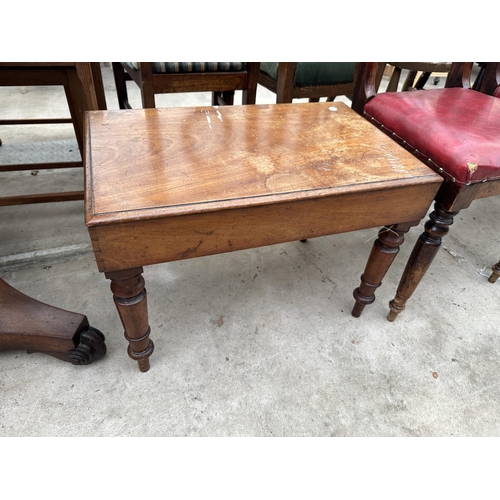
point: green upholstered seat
(315, 73)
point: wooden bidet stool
(177, 183)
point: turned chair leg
(495, 273)
(121, 85)
(423, 254)
(130, 298)
(225, 98)
(384, 251)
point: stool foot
(362, 300)
(495, 273)
(143, 365)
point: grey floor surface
(253, 343)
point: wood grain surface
(169, 159)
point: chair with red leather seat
(456, 132)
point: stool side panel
(123, 245)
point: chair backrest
(490, 83)
(311, 80)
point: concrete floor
(252, 343)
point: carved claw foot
(91, 347)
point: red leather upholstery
(456, 130)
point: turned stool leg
(496, 273)
(130, 299)
(383, 253)
(423, 254)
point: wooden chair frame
(84, 91)
(222, 84)
(283, 86)
(413, 69)
(450, 199)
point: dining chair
(84, 90)
(311, 80)
(220, 78)
(456, 132)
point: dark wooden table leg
(26, 323)
(130, 298)
(383, 253)
(423, 254)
